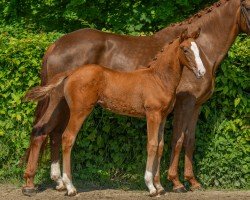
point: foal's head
(189, 53)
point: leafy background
(112, 149)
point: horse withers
(146, 93)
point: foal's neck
(167, 66)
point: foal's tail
(40, 92)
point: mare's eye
(185, 50)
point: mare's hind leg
(29, 188)
(157, 183)
(153, 124)
(75, 122)
(189, 144)
(182, 114)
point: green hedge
(112, 147)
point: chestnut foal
(146, 93)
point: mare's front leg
(68, 138)
(183, 111)
(189, 145)
(153, 123)
(157, 182)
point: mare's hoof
(180, 190)
(161, 191)
(196, 188)
(28, 191)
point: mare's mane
(200, 14)
(203, 16)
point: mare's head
(244, 19)
(189, 53)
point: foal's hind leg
(75, 122)
(153, 123)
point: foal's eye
(185, 50)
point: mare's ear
(196, 33)
(184, 35)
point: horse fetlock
(149, 182)
(60, 186)
(68, 183)
(159, 188)
(29, 174)
(72, 192)
(172, 176)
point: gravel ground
(8, 192)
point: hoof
(153, 194)
(180, 190)
(60, 188)
(197, 188)
(71, 193)
(28, 191)
(161, 191)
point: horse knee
(67, 142)
(152, 148)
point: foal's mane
(159, 54)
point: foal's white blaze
(149, 181)
(70, 187)
(195, 49)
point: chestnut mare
(146, 93)
(126, 53)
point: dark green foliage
(119, 16)
(112, 147)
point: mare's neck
(219, 29)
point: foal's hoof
(72, 193)
(161, 191)
(180, 190)
(28, 191)
(60, 188)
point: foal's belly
(123, 106)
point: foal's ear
(196, 33)
(184, 35)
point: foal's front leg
(153, 123)
(157, 182)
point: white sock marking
(195, 49)
(149, 181)
(55, 172)
(70, 187)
